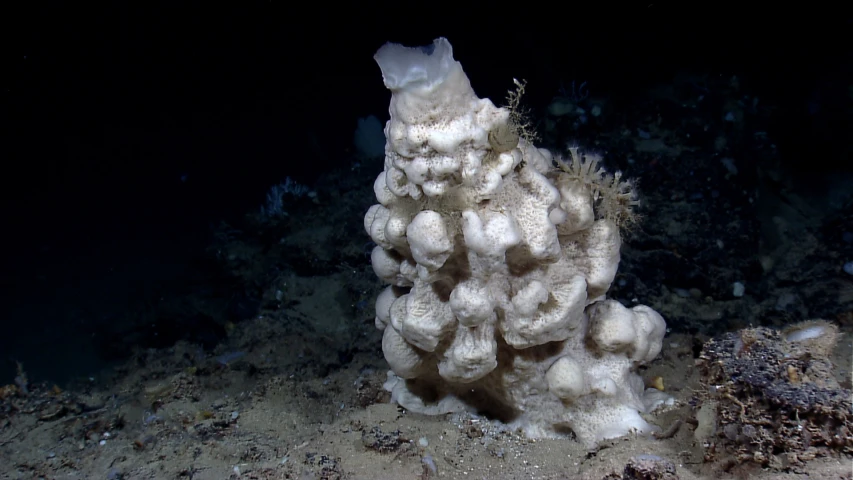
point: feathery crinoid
(613, 197)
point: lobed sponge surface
(497, 266)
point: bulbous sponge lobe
(566, 379)
(638, 332)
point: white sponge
(499, 266)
